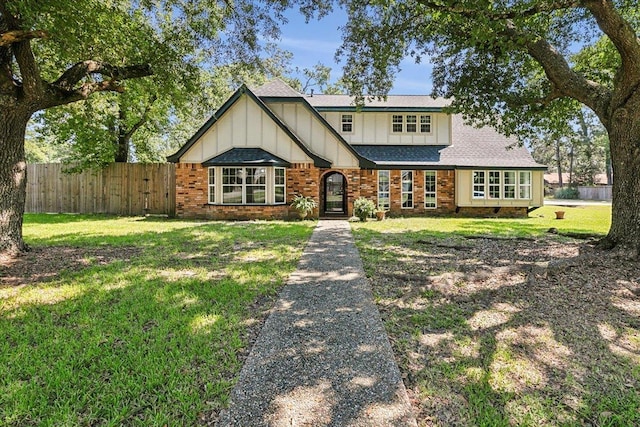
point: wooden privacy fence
(599, 192)
(120, 189)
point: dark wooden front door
(335, 194)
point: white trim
(402, 192)
(433, 193)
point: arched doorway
(335, 194)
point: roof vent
(312, 92)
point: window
(425, 124)
(494, 184)
(478, 184)
(232, 185)
(509, 184)
(384, 195)
(524, 186)
(502, 184)
(347, 123)
(410, 123)
(430, 200)
(256, 186)
(212, 185)
(407, 189)
(279, 185)
(244, 185)
(397, 123)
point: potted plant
(363, 208)
(380, 214)
(304, 205)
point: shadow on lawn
(124, 333)
(510, 332)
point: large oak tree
(516, 65)
(58, 53)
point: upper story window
(411, 123)
(346, 121)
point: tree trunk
(559, 163)
(624, 138)
(122, 150)
(13, 179)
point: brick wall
(306, 179)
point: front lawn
(521, 327)
(134, 321)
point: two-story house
(264, 146)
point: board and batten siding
(375, 128)
(464, 190)
(314, 133)
(245, 124)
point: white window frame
(520, 184)
(211, 187)
(509, 186)
(404, 192)
(494, 184)
(524, 186)
(478, 187)
(431, 193)
(346, 123)
(411, 124)
(382, 194)
(276, 185)
(244, 186)
(426, 120)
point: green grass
(485, 336)
(145, 326)
(579, 219)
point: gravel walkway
(322, 357)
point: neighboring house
(264, 146)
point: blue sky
(317, 41)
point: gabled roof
(318, 161)
(279, 91)
(246, 157)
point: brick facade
(306, 179)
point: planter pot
(380, 215)
(302, 214)
(559, 214)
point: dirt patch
(546, 331)
(44, 264)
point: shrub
(304, 204)
(567, 193)
(363, 208)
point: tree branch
(77, 72)
(143, 119)
(15, 36)
(564, 80)
(63, 92)
(624, 38)
(500, 15)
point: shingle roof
(276, 88)
(470, 147)
(409, 102)
(246, 157)
(417, 155)
(484, 147)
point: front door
(335, 194)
